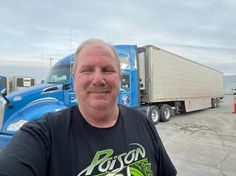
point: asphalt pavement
(202, 143)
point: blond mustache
(99, 89)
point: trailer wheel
(218, 102)
(213, 102)
(165, 112)
(154, 114)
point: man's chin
(100, 105)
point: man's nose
(98, 78)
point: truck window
(125, 82)
(59, 74)
(19, 82)
(124, 63)
(32, 82)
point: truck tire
(154, 114)
(165, 112)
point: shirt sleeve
(28, 151)
(164, 163)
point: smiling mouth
(100, 92)
(104, 91)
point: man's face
(97, 80)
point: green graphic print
(131, 163)
(141, 168)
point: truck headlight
(15, 126)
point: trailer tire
(213, 102)
(218, 102)
(165, 112)
(154, 114)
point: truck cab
(57, 93)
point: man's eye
(85, 70)
(109, 70)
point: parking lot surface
(202, 143)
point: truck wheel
(165, 112)
(154, 114)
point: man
(97, 137)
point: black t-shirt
(64, 144)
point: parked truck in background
(15, 83)
(21, 82)
(4, 83)
(154, 80)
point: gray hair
(93, 41)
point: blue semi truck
(154, 80)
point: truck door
(69, 94)
(68, 87)
(129, 91)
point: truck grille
(2, 110)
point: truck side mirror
(66, 86)
(4, 92)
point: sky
(33, 31)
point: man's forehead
(97, 49)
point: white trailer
(169, 81)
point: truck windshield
(59, 74)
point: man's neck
(100, 118)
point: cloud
(203, 31)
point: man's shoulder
(64, 112)
(132, 113)
(62, 116)
(51, 119)
(136, 117)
